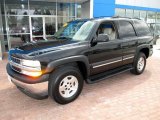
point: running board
(107, 74)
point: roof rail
(118, 17)
(102, 16)
(126, 17)
(121, 17)
(137, 18)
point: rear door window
(126, 29)
(141, 28)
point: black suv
(87, 50)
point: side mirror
(102, 38)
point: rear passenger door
(129, 39)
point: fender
(141, 47)
(138, 50)
(80, 58)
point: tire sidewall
(139, 56)
(56, 80)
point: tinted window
(126, 29)
(141, 28)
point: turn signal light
(32, 74)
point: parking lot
(122, 97)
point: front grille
(16, 60)
(16, 68)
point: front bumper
(33, 87)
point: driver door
(106, 55)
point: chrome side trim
(107, 63)
(128, 58)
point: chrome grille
(16, 60)
(16, 69)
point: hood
(33, 46)
(38, 48)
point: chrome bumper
(37, 91)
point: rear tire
(65, 84)
(139, 64)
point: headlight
(31, 63)
(31, 68)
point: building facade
(29, 20)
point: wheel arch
(81, 61)
(144, 49)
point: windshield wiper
(61, 37)
(55, 37)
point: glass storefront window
(120, 12)
(18, 24)
(50, 25)
(143, 15)
(151, 17)
(62, 9)
(65, 9)
(136, 14)
(1, 24)
(2, 41)
(37, 26)
(45, 17)
(129, 13)
(71, 18)
(16, 7)
(18, 39)
(42, 8)
(79, 12)
(158, 17)
(61, 21)
(71, 9)
(157, 29)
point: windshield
(75, 30)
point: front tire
(139, 64)
(65, 84)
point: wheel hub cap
(68, 86)
(140, 64)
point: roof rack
(126, 17)
(103, 17)
(117, 17)
(121, 17)
(137, 18)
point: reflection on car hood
(38, 48)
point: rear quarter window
(141, 28)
